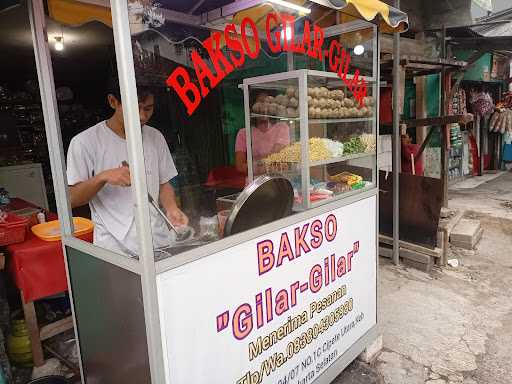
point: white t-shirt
(98, 149)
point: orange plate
(50, 231)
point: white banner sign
(278, 309)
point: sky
(499, 5)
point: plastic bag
(209, 227)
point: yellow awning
(75, 13)
(393, 18)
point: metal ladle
(180, 234)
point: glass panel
(25, 173)
(360, 45)
(93, 136)
(342, 139)
(275, 131)
(227, 111)
(353, 51)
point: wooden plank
(434, 61)
(416, 260)
(440, 120)
(413, 46)
(29, 313)
(411, 74)
(445, 133)
(401, 91)
(436, 252)
(422, 67)
(420, 207)
(63, 360)
(444, 164)
(2, 261)
(55, 328)
(421, 108)
(386, 252)
(442, 243)
(419, 260)
(424, 267)
(425, 142)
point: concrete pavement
(453, 325)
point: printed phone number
(320, 359)
(272, 363)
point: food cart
(286, 295)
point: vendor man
(97, 177)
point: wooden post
(421, 104)
(482, 145)
(29, 313)
(444, 137)
(421, 108)
(398, 70)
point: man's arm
(82, 193)
(168, 201)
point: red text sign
(192, 93)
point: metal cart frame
(139, 276)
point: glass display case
(308, 126)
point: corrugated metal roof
(500, 30)
(496, 29)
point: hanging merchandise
(506, 102)
(507, 146)
(458, 106)
(481, 103)
(501, 121)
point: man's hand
(117, 176)
(82, 193)
(177, 217)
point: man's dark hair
(113, 89)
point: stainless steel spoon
(180, 235)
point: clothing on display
(507, 146)
(459, 103)
(481, 103)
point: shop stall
(274, 278)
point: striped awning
(392, 19)
(75, 13)
(78, 12)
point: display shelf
(347, 120)
(332, 160)
(342, 195)
(254, 115)
(334, 76)
(304, 129)
(341, 159)
(316, 121)
(261, 82)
